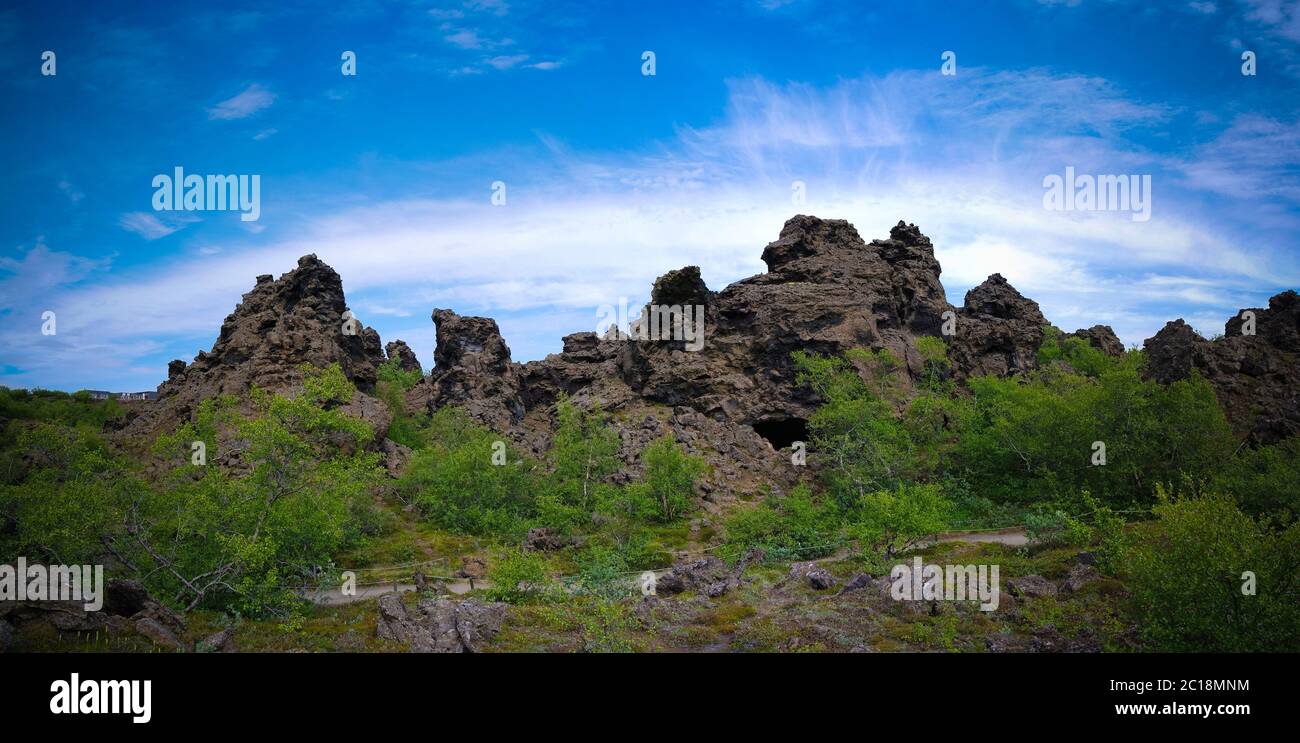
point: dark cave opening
(782, 432)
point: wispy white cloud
(252, 99)
(145, 225)
(962, 159)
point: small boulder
(157, 632)
(1080, 576)
(1031, 586)
(859, 582)
(544, 539)
(218, 642)
(708, 576)
(439, 625)
(816, 576)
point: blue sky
(613, 177)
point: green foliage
(1077, 354)
(454, 483)
(937, 370)
(1265, 479)
(69, 492)
(665, 490)
(1186, 577)
(391, 388)
(391, 372)
(520, 577)
(794, 527)
(583, 454)
(240, 541)
(51, 406)
(602, 571)
(893, 521)
(858, 439)
(603, 626)
(1032, 439)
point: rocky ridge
(735, 400)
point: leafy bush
(1265, 479)
(794, 527)
(892, 521)
(858, 439)
(242, 540)
(454, 483)
(1032, 439)
(68, 494)
(583, 454)
(666, 488)
(391, 372)
(52, 406)
(1185, 572)
(520, 577)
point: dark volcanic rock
(405, 356)
(1030, 586)
(1100, 337)
(998, 331)
(472, 369)
(1256, 377)
(735, 400)
(279, 326)
(439, 625)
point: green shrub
(242, 540)
(1185, 572)
(667, 485)
(454, 483)
(1265, 479)
(889, 522)
(794, 527)
(520, 577)
(583, 454)
(858, 440)
(391, 372)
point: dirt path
(335, 596)
(1012, 537)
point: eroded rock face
(736, 400)
(406, 359)
(439, 625)
(1100, 337)
(733, 400)
(1256, 377)
(278, 326)
(998, 331)
(472, 369)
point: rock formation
(1100, 337)
(277, 327)
(1256, 375)
(406, 359)
(998, 331)
(735, 398)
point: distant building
(105, 395)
